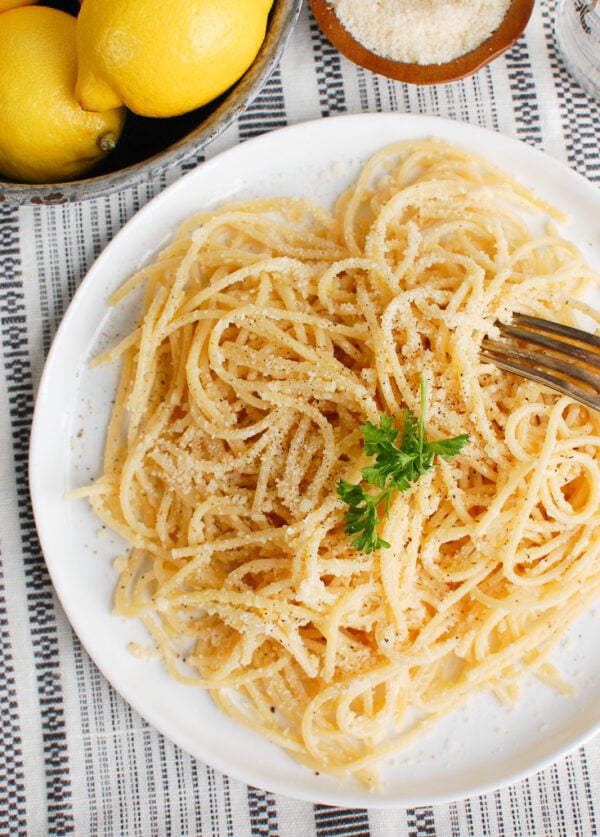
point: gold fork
(566, 359)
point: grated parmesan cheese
(421, 31)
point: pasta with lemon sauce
(272, 329)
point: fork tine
(570, 332)
(570, 352)
(500, 357)
(581, 344)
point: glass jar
(578, 36)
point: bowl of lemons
(96, 95)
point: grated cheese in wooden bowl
(421, 31)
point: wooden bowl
(508, 32)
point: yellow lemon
(164, 59)
(45, 135)
(5, 5)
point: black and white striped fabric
(74, 757)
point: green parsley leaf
(396, 468)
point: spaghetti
(271, 331)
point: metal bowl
(149, 147)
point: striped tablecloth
(74, 757)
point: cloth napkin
(75, 758)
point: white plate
(479, 748)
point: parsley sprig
(396, 468)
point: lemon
(5, 5)
(164, 59)
(45, 135)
